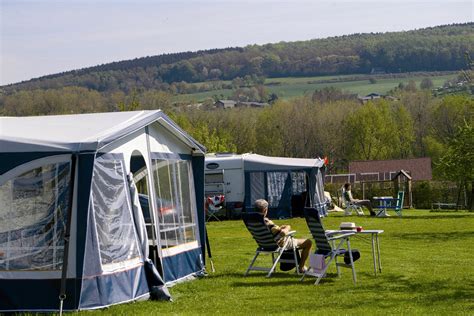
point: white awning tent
(73, 173)
(75, 133)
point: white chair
(350, 206)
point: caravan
(71, 221)
(287, 183)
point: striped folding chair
(328, 245)
(267, 244)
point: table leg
(378, 252)
(373, 254)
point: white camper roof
(255, 162)
(79, 132)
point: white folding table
(374, 233)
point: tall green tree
(457, 164)
(370, 132)
(404, 137)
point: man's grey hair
(261, 205)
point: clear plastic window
(175, 201)
(33, 216)
(276, 184)
(112, 213)
(257, 186)
(298, 180)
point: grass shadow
(439, 236)
(426, 293)
(436, 216)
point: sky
(41, 37)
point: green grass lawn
(287, 88)
(427, 261)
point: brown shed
(418, 168)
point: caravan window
(214, 177)
(175, 201)
(112, 209)
(34, 201)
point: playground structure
(369, 187)
(401, 181)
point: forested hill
(430, 49)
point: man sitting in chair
(279, 233)
(348, 197)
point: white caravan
(224, 174)
(287, 183)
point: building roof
(227, 103)
(79, 132)
(404, 173)
(419, 168)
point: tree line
(417, 125)
(327, 122)
(430, 49)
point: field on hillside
(426, 260)
(287, 88)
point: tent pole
(154, 222)
(208, 246)
(67, 232)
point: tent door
(141, 179)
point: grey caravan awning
(254, 162)
(282, 181)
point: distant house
(418, 168)
(225, 104)
(371, 96)
(229, 104)
(375, 96)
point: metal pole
(208, 247)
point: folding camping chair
(212, 213)
(267, 244)
(398, 207)
(213, 206)
(328, 245)
(350, 206)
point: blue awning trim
(182, 265)
(198, 174)
(9, 161)
(85, 167)
(170, 156)
(37, 295)
(114, 288)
